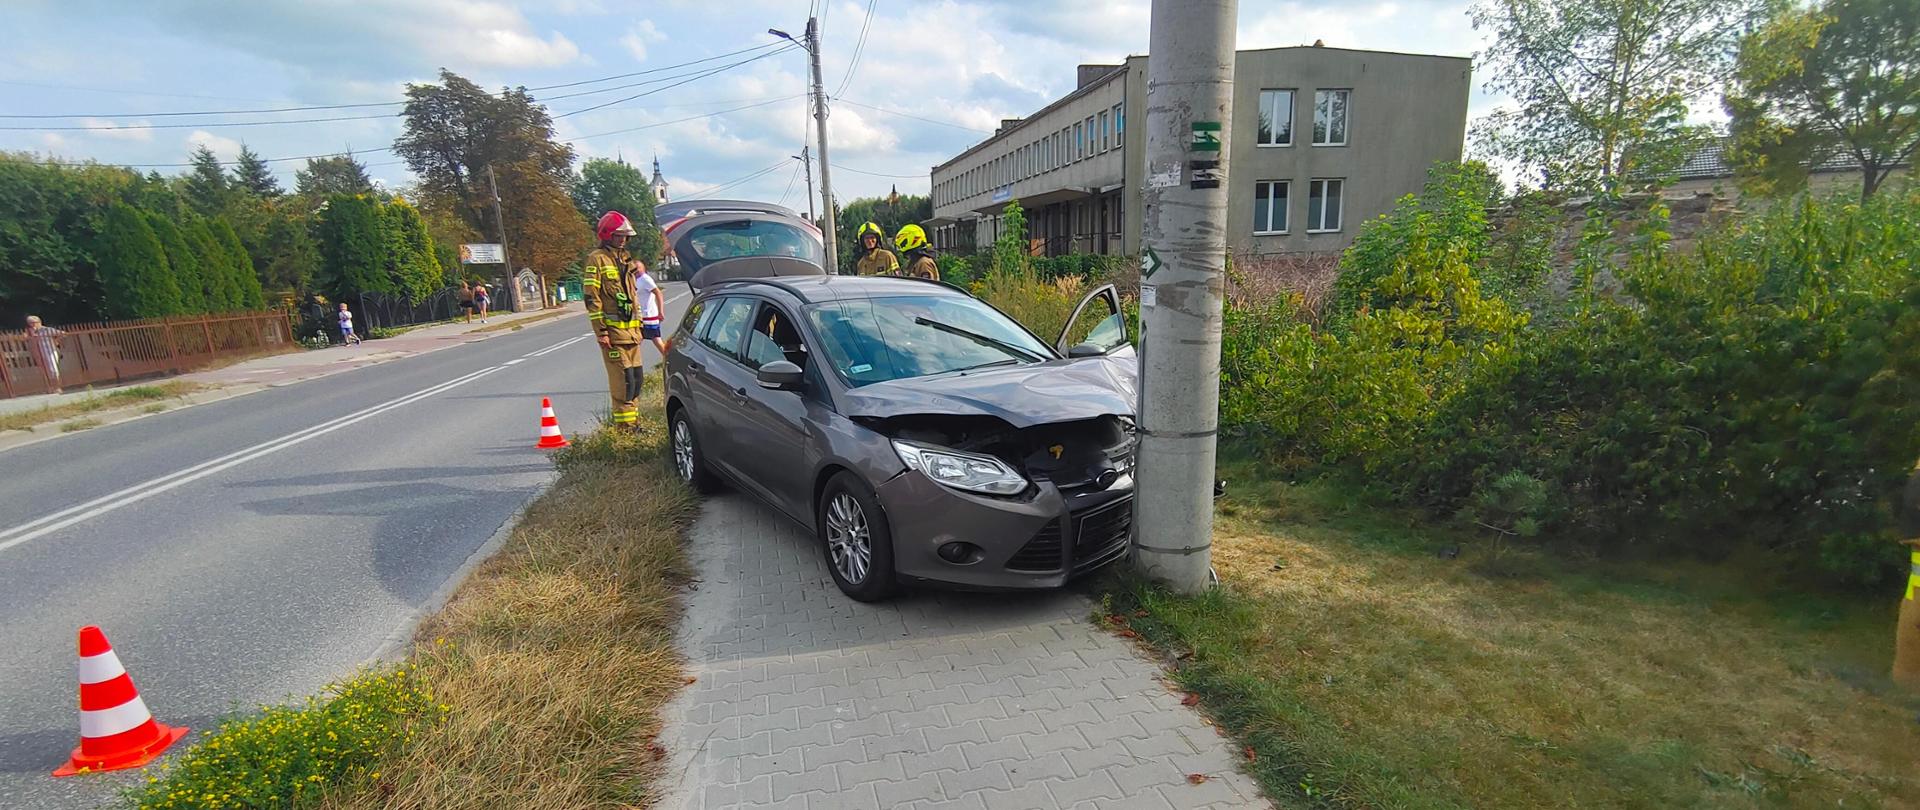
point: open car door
(1097, 327)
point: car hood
(1022, 396)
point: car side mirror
(780, 375)
(1086, 350)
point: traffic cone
(550, 436)
(116, 730)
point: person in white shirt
(347, 336)
(653, 307)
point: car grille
(1102, 535)
(1042, 553)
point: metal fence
(113, 352)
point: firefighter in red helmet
(616, 315)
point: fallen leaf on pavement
(1196, 778)
(1251, 756)
(1127, 632)
(1190, 699)
(689, 680)
(658, 751)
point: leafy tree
(188, 276)
(888, 212)
(1839, 78)
(1011, 251)
(1601, 86)
(251, 175)
(246, 285)
(351, 247)
(46, 227)
(454, 131)
(1451, 208)
(324, 177)
(205, 184)
(223, 294)
(613, 185)
(133, 267)
(410, 262)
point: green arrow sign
(1150, 263)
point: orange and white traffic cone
(550, 435)
(116, 730)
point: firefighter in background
(616, 316)
(912, 242)
(1906, 639)
(874, 259)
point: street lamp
(812, 47)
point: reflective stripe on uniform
(627, 417)
(595, 316)
(1913, 576)
(624, 324)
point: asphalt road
(248, 550)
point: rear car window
(728, 324)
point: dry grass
(556, 655)
(108, 400)
(1368, 671)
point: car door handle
(693, 365)
(741, 393)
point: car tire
(855, 540)
(688, 462)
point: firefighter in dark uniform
(615, 315)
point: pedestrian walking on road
(46, 349)
(347, 337)
(653, 307)
(617, 319)
(480, 300)
(465, 294)
(874, 259)
(912, 242)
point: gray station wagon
(921, 434)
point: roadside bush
(287, 756)
(1451, 210)
(1761, 393)
(1039, 304)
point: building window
(1270, 207)
(1276, 118)
(1066, 145)
(1106, 136)
(1330, 117)
(1093, 139)
(1323, 205)
(1079, 141)
(1119, 122)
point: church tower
(659, 183)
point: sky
(931, 78)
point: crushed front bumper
(1038, 542)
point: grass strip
(106, 400)
(547, 668)
(518, 323)
(1358, 668)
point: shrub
(133, 267)
(287, 755)
(1040, 305)
(1451, 210)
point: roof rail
(769, 281)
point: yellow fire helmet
(910, 237)
(870, 228)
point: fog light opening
(959, 553)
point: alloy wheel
(848, 538)
(683, 449)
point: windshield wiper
(990, 364)
(991, 342)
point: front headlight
(968, 471)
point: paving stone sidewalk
(807, 699)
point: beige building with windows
(1322, 139)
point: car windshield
(734, 238)
(897, 337)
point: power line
(728, 185)
(880, 174)
(916, 117)
(685, 79)
(725, 67)
(791, 179)
(682, 120)
(364, 105)
(859, 47)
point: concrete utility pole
(820, 122)
(1182, 281)
(513, 288)
(806, 163)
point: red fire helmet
(611, 223)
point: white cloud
(637, 38)
(141, 130)
(54, 141)
(227, 149)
